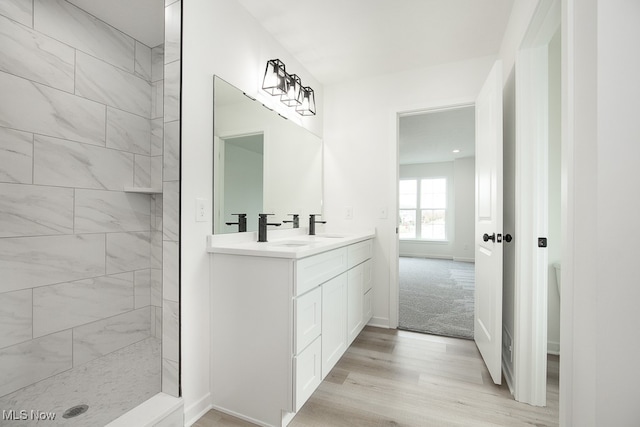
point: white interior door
(488, 214)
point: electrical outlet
(348, 212)
(201, 210)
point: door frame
(394, 265)
(531, 207)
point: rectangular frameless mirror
(262, 163)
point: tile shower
(88, 271)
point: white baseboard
(379, 322)
(460, 259)
(240, 416)
(196, 410)
(434, 256)
(423, 255)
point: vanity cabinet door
(334, 320)
(355, 302)
(367, 309)
(307, 372)
(308, 315)
(368, 275)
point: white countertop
(290, 243)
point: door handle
(508, 238)
(487, 237)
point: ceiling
(431, 137)
(253, 143)
(343, 40)
(143, 19)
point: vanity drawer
(317, 269)
(307, 371)
(308, 313)
(359, 252)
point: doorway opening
(436, 221)
(238, 168)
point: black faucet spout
(313, 222)
(295, 220)
(242, 222)
(262, 227)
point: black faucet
(242, 222)
(262, 227)
(295, 221)
(313, 222)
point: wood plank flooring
(398, 378)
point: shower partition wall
(82, 131)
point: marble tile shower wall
(81, 118)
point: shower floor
(110, 386)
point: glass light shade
(308, 106)
(275, 81)
(293, 97)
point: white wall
(600, 320)
(464, 178)
(221, 38)
(361, 152)
(618, 225)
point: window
(423, 208)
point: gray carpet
(436, 296)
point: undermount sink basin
(290, 244)
(305, 241)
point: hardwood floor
(399, 378)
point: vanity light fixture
(276, 79)
(308, 106)
(289, 88)
(293, 97)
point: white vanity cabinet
(279, 324)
